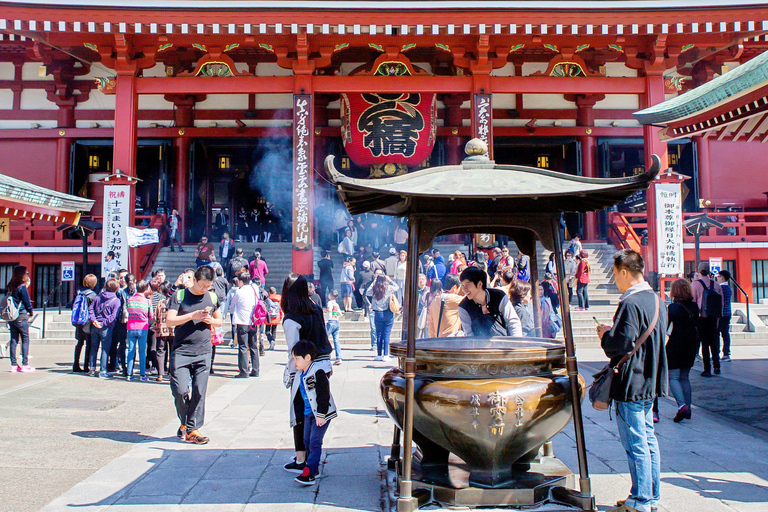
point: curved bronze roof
(484, 186)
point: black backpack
(711, 301)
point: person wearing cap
(391, 263)
(363, 277)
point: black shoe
(262, 353)
(172, 250)
(305, 478)
(295, 467)
(241, 376)
(706, 373)
(254, 373)
(182, 433)
(181, 250)
(77, 369)
(717, 371)
(212, 372)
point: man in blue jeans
(642, 377)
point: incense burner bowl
(492, 402)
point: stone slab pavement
(714, 462)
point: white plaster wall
(504, 101)
(270, 101)
(154, 102)
(24, 125)
(224, 102)
(29, 71)
(97, 70)
(157, 71)
(98, 101)
(242, 66)
(539, 122)
(258, 123)
(530, 68)
(36, 99)
(546, 101)
(507, 70)
(272, 69)
(7, 70)
(619, 101)
(6, 99)
(618, 69)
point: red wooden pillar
(454, 153)
(125, 141)
(654, 94)
(62, 170)
(702, 160)
(181, 181)
(589, 169)
(744, 272)
(303, 180)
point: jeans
(581, 293)
(271, 334)
(710, 343)
(247, 349)
(133, 338)
(313, 441)
(635, 422)
(680, 386)
(332, 326)
(174, 237)
(371, 322)
(185, 369)
(384, 321)
(400, 291)
(19, 333)
(101, 336)
(724, 330)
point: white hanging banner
(138, 237)
(669, 228)
(117, 205)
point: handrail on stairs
(746, 300)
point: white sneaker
(378, 358)
(726, 358)
(385, 358)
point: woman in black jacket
(20, 326)
(83, 332)
(303, 320)
(682, 345)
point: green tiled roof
(18, 190)
(750, 74)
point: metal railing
(47, 299)
(746, 300)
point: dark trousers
(325, 287)
(271, 334)
(20, 334)
(384, 320)
(581, 292)
(151, 348)
(163, 349)
(247, 349)
(570, 294)
(313, 440)
(83, 340)
(724, 330)
(174, 237)
(710, 343)
(190, 407)
(117, 349)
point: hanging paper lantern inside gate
(388, 128)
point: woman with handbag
(19, 326)
(303, 320)
(682, 345)
(384, 305)
(582, 281)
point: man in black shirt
(326, 275)
(193, 311)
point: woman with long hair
(381, 291)
(400, 270)
(19, 327)
(583, 270)
(83, 332)
(520, 296)
(682, 345)
(304, 321)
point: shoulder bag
(600, 389)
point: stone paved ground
(76, 443)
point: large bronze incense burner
(492, 402)
(481, 410)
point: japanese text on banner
(302, 216)
(669, 228)
(117, 204)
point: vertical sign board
(482, 119)
(67, 270)
(669, 228)
(302, 172)
(117, 209)
(715, 265)
(5, 229)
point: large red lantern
(388, 128)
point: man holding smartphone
(193, 311)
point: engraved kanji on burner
(498, 410)
(474, 401)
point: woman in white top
(400, 275)
(380, 292)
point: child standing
(311, 395)
(333, 316)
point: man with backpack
(82, 322)
(708, 296)
(242, 306)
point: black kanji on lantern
(391, 124)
